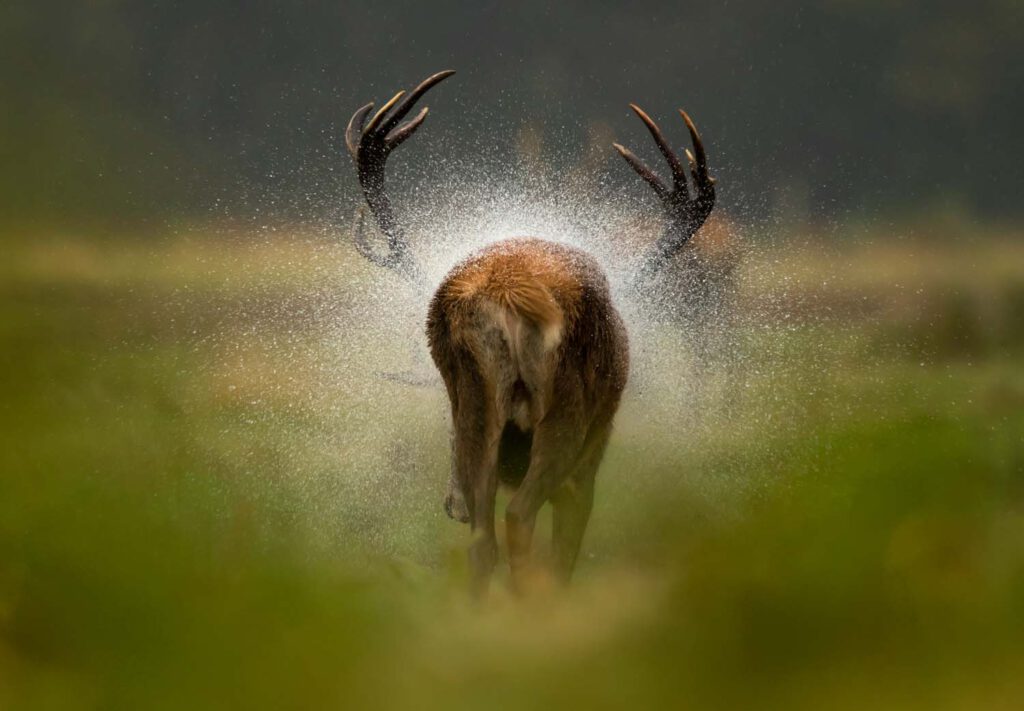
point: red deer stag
(530, 347)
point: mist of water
(331, 390)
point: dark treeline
(207, 106)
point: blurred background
(223, 448)
(121, 110)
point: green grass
(207, 499)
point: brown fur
(535, 358)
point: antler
(686, 212)
(370, 147)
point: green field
(209, 498)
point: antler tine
(355, 129)
(377, 117)
(678, 172)
(415, 95)
(698, 148)
(693, 169)
(400, 134)
(649, 176)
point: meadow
(223, 460)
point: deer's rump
(505, 311)
(498, 326)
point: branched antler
(370, 146)
(686, 212)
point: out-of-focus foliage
(137, 108)
(200, 509)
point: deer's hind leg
(557, 443)
(573, 501)
(480, 414)
(475, 454)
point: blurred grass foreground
(207, 500)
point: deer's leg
(557, 442)
(572, 504)
(475, 450)
(483, 551)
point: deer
(533, 354)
